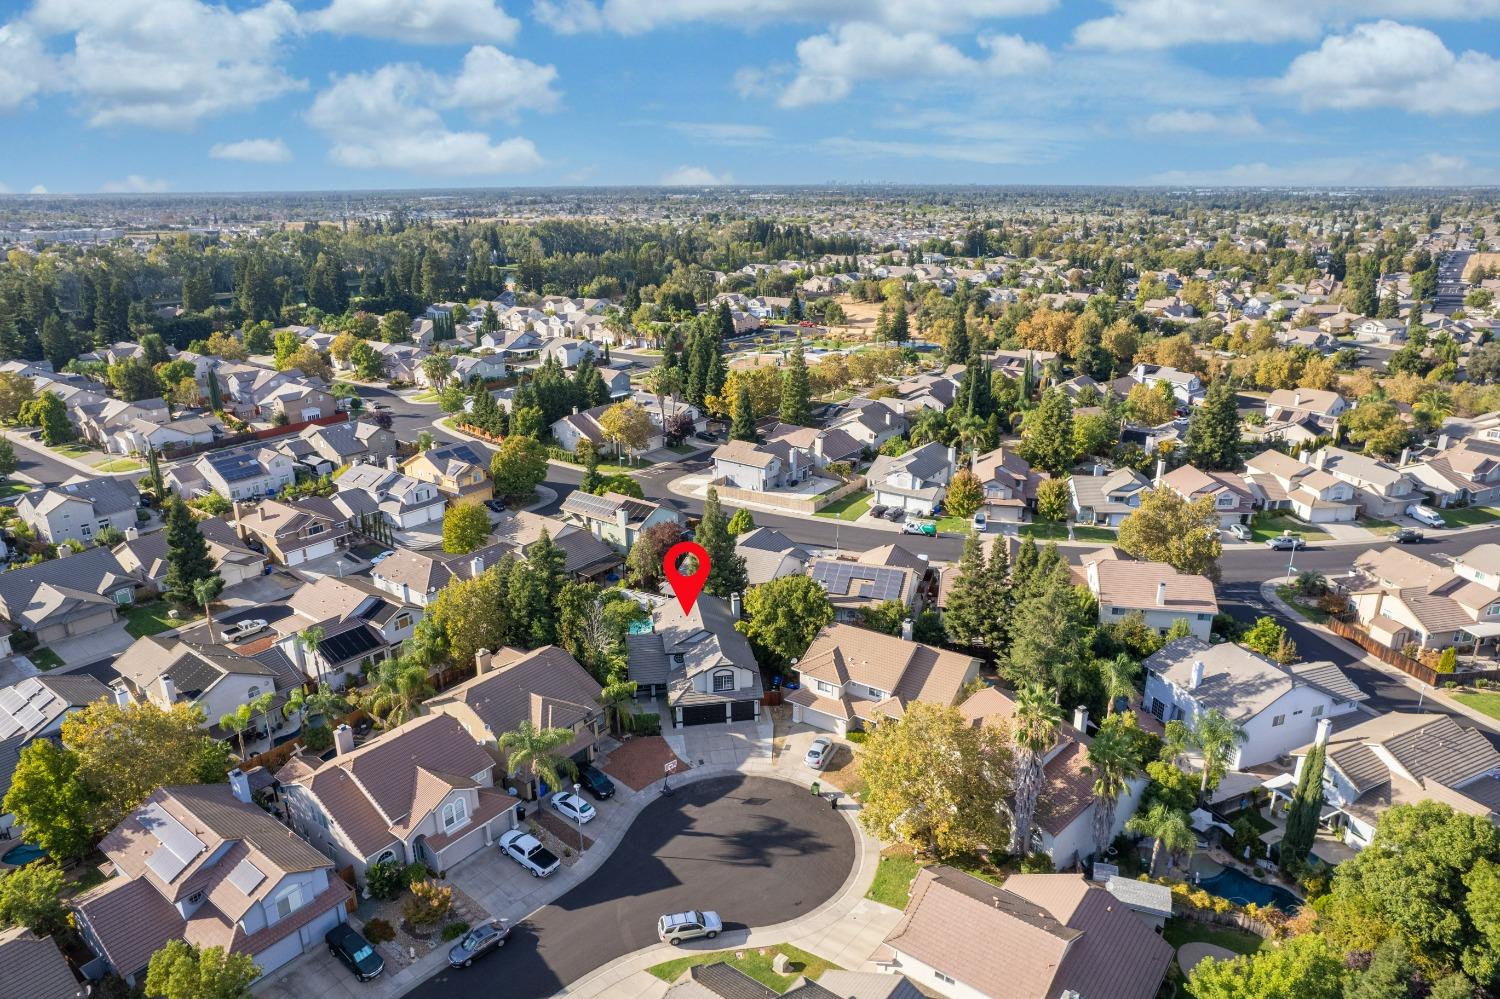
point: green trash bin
(817, 788)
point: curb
(37, 447)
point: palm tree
(1216, 736)
(1034, 730)
(1175, 739)
(398, 692)
(618, 701)
(310, 640)
(1168, 827)
(531, 753)
(237, 721)
(205, 591)
(262, 706)
(1310, 583)
(1118, 675)
(1113, 761)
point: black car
(878, 510)
(345, 943)
(1407, 536)
(595, 783)
(481, 940)
(704, 435)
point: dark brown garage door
(742, 711)
(702, 714)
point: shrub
(385, 879)
(415, 873)
(1037, 863)
(647, 723)
(316, 738)
(378, 931)
(455, 930)
(430, 902)
(858, 736)
(1481, 683)
(1450, 685)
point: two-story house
(1466, 474)
(296, 531)
(698, 662)
(1277, 707)
(1282, 482)
(34, 708)
(80, 508)
(1009, 484)
(1402, 599)
(243, 472)
(871, 422)
(1296, 405)
(402, 501)
(357, 624)
(415, 577)
(546, 687)
(916, 481)
(212, 678)
(67, 596)
(458, 470)
(760, 467)
(875, 577)
(421, 793)
(1186, 386)
(1155, 590)
(852, 677)
(769, 555)
(200, 863)
(614, 517)
(1106, 497)
(144, 556)
(1232, 497)
(1380, 489)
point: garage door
(742, 711)
(702, 714)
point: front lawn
(756, 963)
(151, 618)
(850, 507)
(1470, 515)
(1181, 931)
(120, 465)
(1289, 594)
(44, 659)
(1273, 525)
(77, 451)
(9, 489)
(893, 877)
(1485, 703)
(1378, 526)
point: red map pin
(686, 587)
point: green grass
(1289, 594)
(754, 963)
(120, 465)
(851, 507)
(1259, 821)
(1470, 515)
(1379, 526)
(893, 878)
(1050, 530)
(1485, 703)
(1271, 525)
(44, 658)
(426, 395)
(8, 489)
(75, 450)
(151, 618)
(1181, 931)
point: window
(942, 977)
(879, 695)
(403, 620)
(1317, 711)
(288, 901)
(1278, 720)
(313, 529)
(455, 814)
(723, 680)
(253, 694)
(87, 530)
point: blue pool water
(640, 627)
(23, 854)
(1243, 889)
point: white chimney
(952, 457)
(239, 784)
(1405, 456)
(735, 607)
(906, 630)
(1161, 469)
(484, 661)
(132, 533)
(1081, 718)
(1161, 593)
(121, 692)
(168, 689)
(887, 417)
(1302, 456)
(343, 740)
(476, 566)
(1442, 442)
(1325, 729)
(1297, 399)
(391, 464)
(1196, 680)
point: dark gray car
(476, 943)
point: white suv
(675, 927)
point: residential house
(1402, 599)
(421, 793)
(297, 531)
(1232, 497)
(213, 678)
(1186, 386)
(1064, 822)
(200, 863)
(1159, 593)
(546, 687)
(34, 708)
(143, 437)
(1106, 498)
(769, 555)
(852, 677)
(235, 473)
(144, 557)
(67, 596)
(1066, 938)
(871, 423)
(1009, 485)
(616, 518)
(404, 502)
(585, 557)
(761, 467)
(568, 351)
(916, 481)
(1380, 489)
(1296, 405)
(1282, 482)
(698, 662)
(875, 577)
(1466, 474)
(33, 967)
(98, 423)
(298, 403)
(345, 443)
(415, 577)
(1277, 706)
(458, 470)
(356, 623)
(80, 508)
(569, 430)
(1379, 331)
(821, 446)
(1014, 363)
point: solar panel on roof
(246, 876)
(178, 845)
(11, 701)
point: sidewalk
(27, 442)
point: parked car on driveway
(596, 783)
(354, 952)
(926, 527)
(706, 437)
(895, 515)
(1425, 515)
(878, 510)
(573, 808)
(483, 939)
(242, 629)
(980, 521)
(528, 851)
(1239, 532)
(1407, 536)
(675, 927)
(1285, 542)
(819, 753)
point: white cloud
(135, 184)
(38, 189)
(1161, 24)
(391, 117)
(493, 84)
(1185, 122)
(1429, 170)
(425, 21)
(632, 17)
(695, 176)
(830, 64)
(167, 63)
(252, 151)
(1386, 64)
(23, 65)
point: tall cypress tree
(957, 348)
(795, 389)
(1213, 436)
(187, 553)
(1302, 815)
(977, 390)
(972, 600)
(900, 327)
(997, 625)
(726, 567)
(743, 426)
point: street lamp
(1291, 557)
(576, 789)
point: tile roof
(32, 967)
(1240, 682)
(1135, 585)
(546, 687)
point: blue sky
(187, 95)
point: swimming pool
(1241, 888)
(23, 854)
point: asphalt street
(755, 850)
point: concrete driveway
(729, 745)
(95, 645)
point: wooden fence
(1406, 664)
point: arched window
(455, 814)
(723, 680)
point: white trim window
(723, 681)
(455, 814)
(288, 900)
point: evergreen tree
(726, 567)
(1302, 815)
(591, 478)
(972, 602)
(188, 559)
(978, 400)
(1027, 557)
(153, 474)
(743, 426)
(1047, 435)
(1213, 436)
(12, 343)
(795, 390)
(997, 625)
(56, 342)
(794, 308)
(215, 394)
(900, 327)
(726, 322)
(956, 350)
